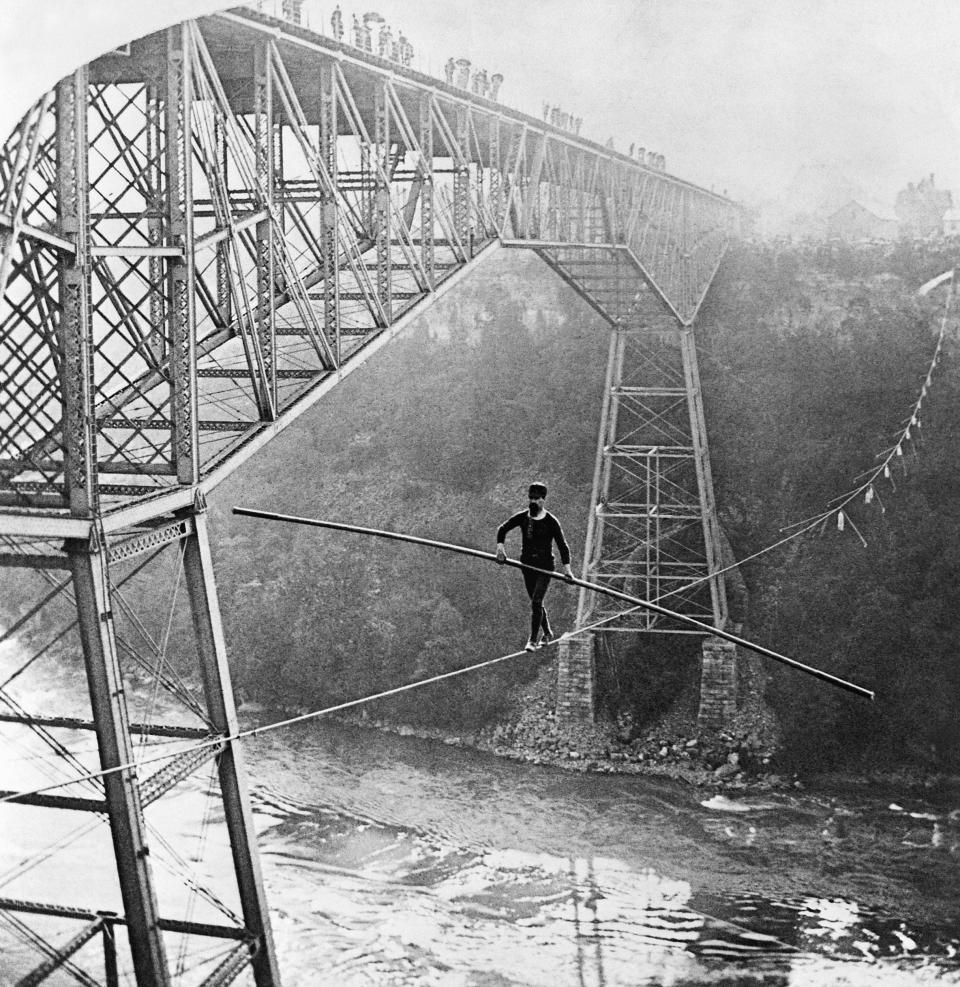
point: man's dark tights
(537, 586)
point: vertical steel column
(427, 257)
(73, 221)
(531, 190)
(266, 321)
(381, 217)
(514, 198)
(701, 456)
(606, 440)
(461, 184)
(329, 220)
(185, 436)
(592, 544)
(111, 975)
(157, 220)
(212, 654)
(91, 585)
(224, 300)
(496, 173)
(580, 218)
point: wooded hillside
(810, 358)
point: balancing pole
(857, 690)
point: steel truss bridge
(200, 235)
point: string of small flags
(908, 439)
(910, 433)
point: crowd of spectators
(560, 118)
(395, 49)
(457, 72)
(367, 36)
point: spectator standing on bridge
(385, 41)
(448, 70)
(336, 23)
(539, 529)
(496, 80)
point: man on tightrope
(539, 529)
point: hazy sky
(735, 93)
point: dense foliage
(810, 358)
(437, 436)
(814, 358)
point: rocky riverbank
(739, 757)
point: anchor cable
(397, 690)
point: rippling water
(394, 861)
(401, 862)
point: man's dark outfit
(538, 535)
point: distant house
(855, 220)
(951, 222)
(921, 208)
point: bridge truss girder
(199, 237)
(196, 235)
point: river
(393, 861)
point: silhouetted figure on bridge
(546, 112)
(496, 81)
(539, 529)
(369, 19)
(385, 42)
(463, 73)
(357, 34)
(448, 71)
(336, 24)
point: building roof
(873, 206)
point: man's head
(537, 493)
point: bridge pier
(576, 680)
(718, 684)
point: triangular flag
(886, 471)
(899, 450)
(868, 499)
(840, 521)
(906, 434)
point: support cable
(161, 651)
(198, 856)
(349, 704)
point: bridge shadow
(587, 932)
